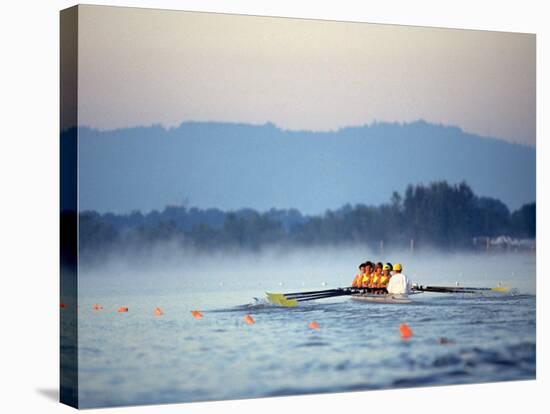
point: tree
(524, 221)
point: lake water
(139, 358)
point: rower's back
(399, 284)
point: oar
(458, 289)
(306, 298)
(281, 299)
(292, 299)
(336, 292)
(321, 292)
(319, 296)
(314, 292)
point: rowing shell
(384, 298)
(370, 295)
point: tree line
(438, 215)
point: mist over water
(139, 358)
(169, 269)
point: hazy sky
(141, 67)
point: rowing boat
(373, 295)
(383, 298)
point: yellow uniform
(366, 280)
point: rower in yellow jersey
(386, 275)
(376, 276)
(367, 277)
(357, 280)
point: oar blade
(288, 303)
(274, 297)
(281, 300)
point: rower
(358, 277)
(377, 275)
(399, 284)
(386, 275)
(366, 280)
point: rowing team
(382, 278)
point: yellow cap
(397, 267)
(386, 267)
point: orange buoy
(97, 307)
(61, 305)
(158, 312)
(248, 319)
(122, 309)
(313, 325)
(196, 314)
(406, 332)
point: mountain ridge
(236, 165)
(272, 125)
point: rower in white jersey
(399, 284)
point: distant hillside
(440, 216)
(230, 166)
